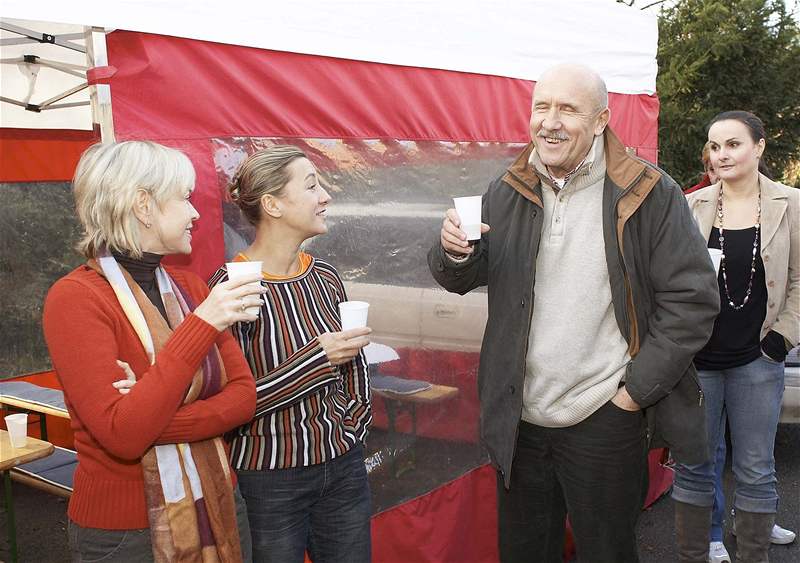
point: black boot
(692, 530)
(752, 536)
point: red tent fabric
(41, 155)
(185, 93)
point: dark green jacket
(663, 288)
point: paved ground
(657, 534)
(41, 518)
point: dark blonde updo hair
(262, 173)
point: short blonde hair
(106, 182)
(262, 173)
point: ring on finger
(243, 307)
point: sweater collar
(590, 171)
(142, 270)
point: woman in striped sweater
(300, 461)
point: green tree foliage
(716, 56)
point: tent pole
(100, 94)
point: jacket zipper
(699, 390)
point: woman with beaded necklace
(756, 224)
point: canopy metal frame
(94, 48)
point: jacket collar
(774, 203)
(622, 169)
(523, 177)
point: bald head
(581, 76)
(570, 109)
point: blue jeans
(324, 508)
(133, 546)
(751, 396)
(718, 514)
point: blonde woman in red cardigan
(150, 374)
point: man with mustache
(600, 293)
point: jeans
(595, 471)
(751, 396)
(718, 513)
(133, 546)
(324, 508)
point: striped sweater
(307, 410)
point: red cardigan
(86, 333)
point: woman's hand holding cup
(342, 347)
(228, 302)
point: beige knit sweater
(576, 354)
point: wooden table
(12, 457)
(399, 402)
(434, 394)
(20, 403)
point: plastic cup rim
(353, 305)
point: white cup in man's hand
(469, 211)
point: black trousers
(595, 472)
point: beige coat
(780, 250)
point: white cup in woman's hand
(353, 314)
(228, 302)
(342, 347)
(239, 270)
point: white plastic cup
(17, 425)
(469, 211)
(353, 314)
(241, 269)
(716, 258)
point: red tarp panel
(170, 88)
(41, 155)
(184, 92)
(465, 516)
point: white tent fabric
(514, 38)
(31, 83)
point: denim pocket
(769, 360)
(95, 544)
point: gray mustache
(555, 135)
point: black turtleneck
(143, 272)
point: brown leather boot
(692, 528)
(753, 536)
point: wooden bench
(21, 396)
(11, 459)
(397, 402)
(52, 474)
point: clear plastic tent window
(388, 202)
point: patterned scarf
(188, 487)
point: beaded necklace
(721, 216)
